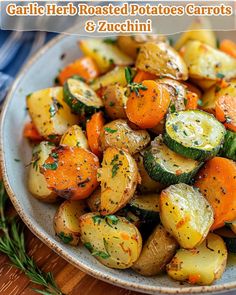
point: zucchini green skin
(76, 105)
(145, 214)
(192, 152)
(229, 148)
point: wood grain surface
(71, 280)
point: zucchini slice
(146, 207)
(80, 97)
(229, 238)
(168, 167)
(229, 148)
(194, 134)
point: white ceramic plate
(37, 74)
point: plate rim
(53, 245)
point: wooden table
(71, 280)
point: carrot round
(192, 101)
(226, 111)
(84, 67)
(71, 172)
(31, 132)
(93, 129)
(228, 47)
(148, 107)
(217, 182)
(141, 76)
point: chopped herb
(52, 136)
(171, 41)
(175, 127)
(78, 144)
(17, 160)
(109, 41)
(217, 43)
(200, 102)
(88, 94)
(50, 166)
(133, 87)
(54, 155)
(77, 77)
(65, 238)
(98, 175)
(185, 133)
(220, 75)
(217, 88)
(101, 254)
(88, 246)
(110, 130)
(185, 101)
(115, 158)
(114, 170)
(97, 219)
(196, 142)
(111, 219)
(111, 61)
(35, 160)
(228, 119)
(54, 107)
(111, 104)
(172, 108)
(128, 75)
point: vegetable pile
(140, 142)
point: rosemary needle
(12, 243)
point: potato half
(66, 221)
(113, 240)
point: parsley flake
(110, 130)
(65, 238)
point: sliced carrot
(93, 128)
(141, 76)
(217, 182)
(193, 88)
(192, 100)
(84, 67)
(31, 132)
(194, 278)
(148, 107)
(228, 47)
(226, 111)
(71, 172)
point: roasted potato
(162, 60)
(200, 30)
(118, 134)
(75, 136)
(115, 76)
(119, 177)
(131, 44)
(112, 240)
(104, 54)
(185, 214)
(157, 251)
(147, 185)
(201, 265)
(66, 221)
(214, 93)
(94, 201)
(36, 182)
(203, 83)
(49, 112)
(114, 101)
(205, 62)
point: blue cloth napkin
(22, 45)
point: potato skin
(119, 178)
(114, 101)
(94, 200)
(157, 251)
(111, 239)
(162, 60)
(131, 44)
(36, 182)
(201, 265)
(66, 221)
(119, 134)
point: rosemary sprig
(12, 243)
(133, 86)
